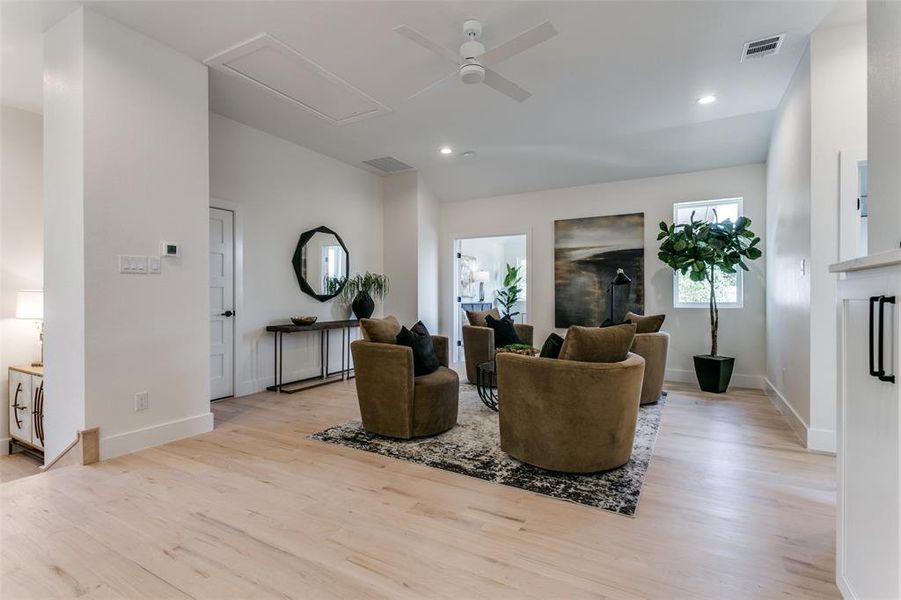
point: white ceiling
(613, 94)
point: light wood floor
(17, 465)
(732, 507)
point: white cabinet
(26, 406)
(869, 422)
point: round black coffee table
(486, 384)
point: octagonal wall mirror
(321, 263)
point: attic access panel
(281, 70)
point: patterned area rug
(473, 448)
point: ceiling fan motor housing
(472, 73)
(472, 29)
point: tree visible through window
(688, 293)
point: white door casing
(222, 306)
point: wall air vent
(276, 67)
(387, 164)
(764, 47)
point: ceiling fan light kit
(473, 61)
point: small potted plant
(700, 250)
(359, 291)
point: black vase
(363, 305)
(714, 372)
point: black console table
(325, 376)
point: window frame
(739, 279)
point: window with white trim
(692, 294)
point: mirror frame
(297, 261)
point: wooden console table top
(317, 326)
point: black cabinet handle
(883, 300)
(17, 406)
(873, 301)
(227, 313)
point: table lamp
(481, 277)
(30, 306)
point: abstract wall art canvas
(587, 253)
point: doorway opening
(482, 264)
(853, 204)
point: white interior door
(222, 303)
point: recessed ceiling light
(706, 99)
(469, 154)
(446, 150)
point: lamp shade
(481, 276)
(30, 304)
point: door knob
(227, 313)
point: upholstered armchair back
(571, 416)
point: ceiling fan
(473, 62)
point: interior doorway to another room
(481, 266)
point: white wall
(21, 241)
(741, 330)
(280, 190)
(410, 253)
(788, 242)
(427, 255)
(145, 168)
(884, 100)
(400, 216)
(838, 90)
(823, 112)
(64, 242)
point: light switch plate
(154, 265)
(134, 265)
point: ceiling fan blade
(505, 86)
(520, 43)
(415, 36)
(434, 85)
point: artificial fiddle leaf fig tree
(702, 250)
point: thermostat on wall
(170, 249)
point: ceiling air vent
(388, 164)
(760, 48)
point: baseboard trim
(821, 440)
(4, 450)
(782, 405)
(845, 588)
(132, 441)
(739, 380)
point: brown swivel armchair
(396, 404)
(478, 345)
(652, 347)
(566, 415)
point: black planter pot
(714, 372)
(363, 305)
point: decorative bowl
(303, 320)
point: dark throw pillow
(598, 344)
(504, 331)
(552, 346)
(645, 323)
(425, 359)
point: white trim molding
(156, 435)
(739, 380)
(819, 440)
(4, 446)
